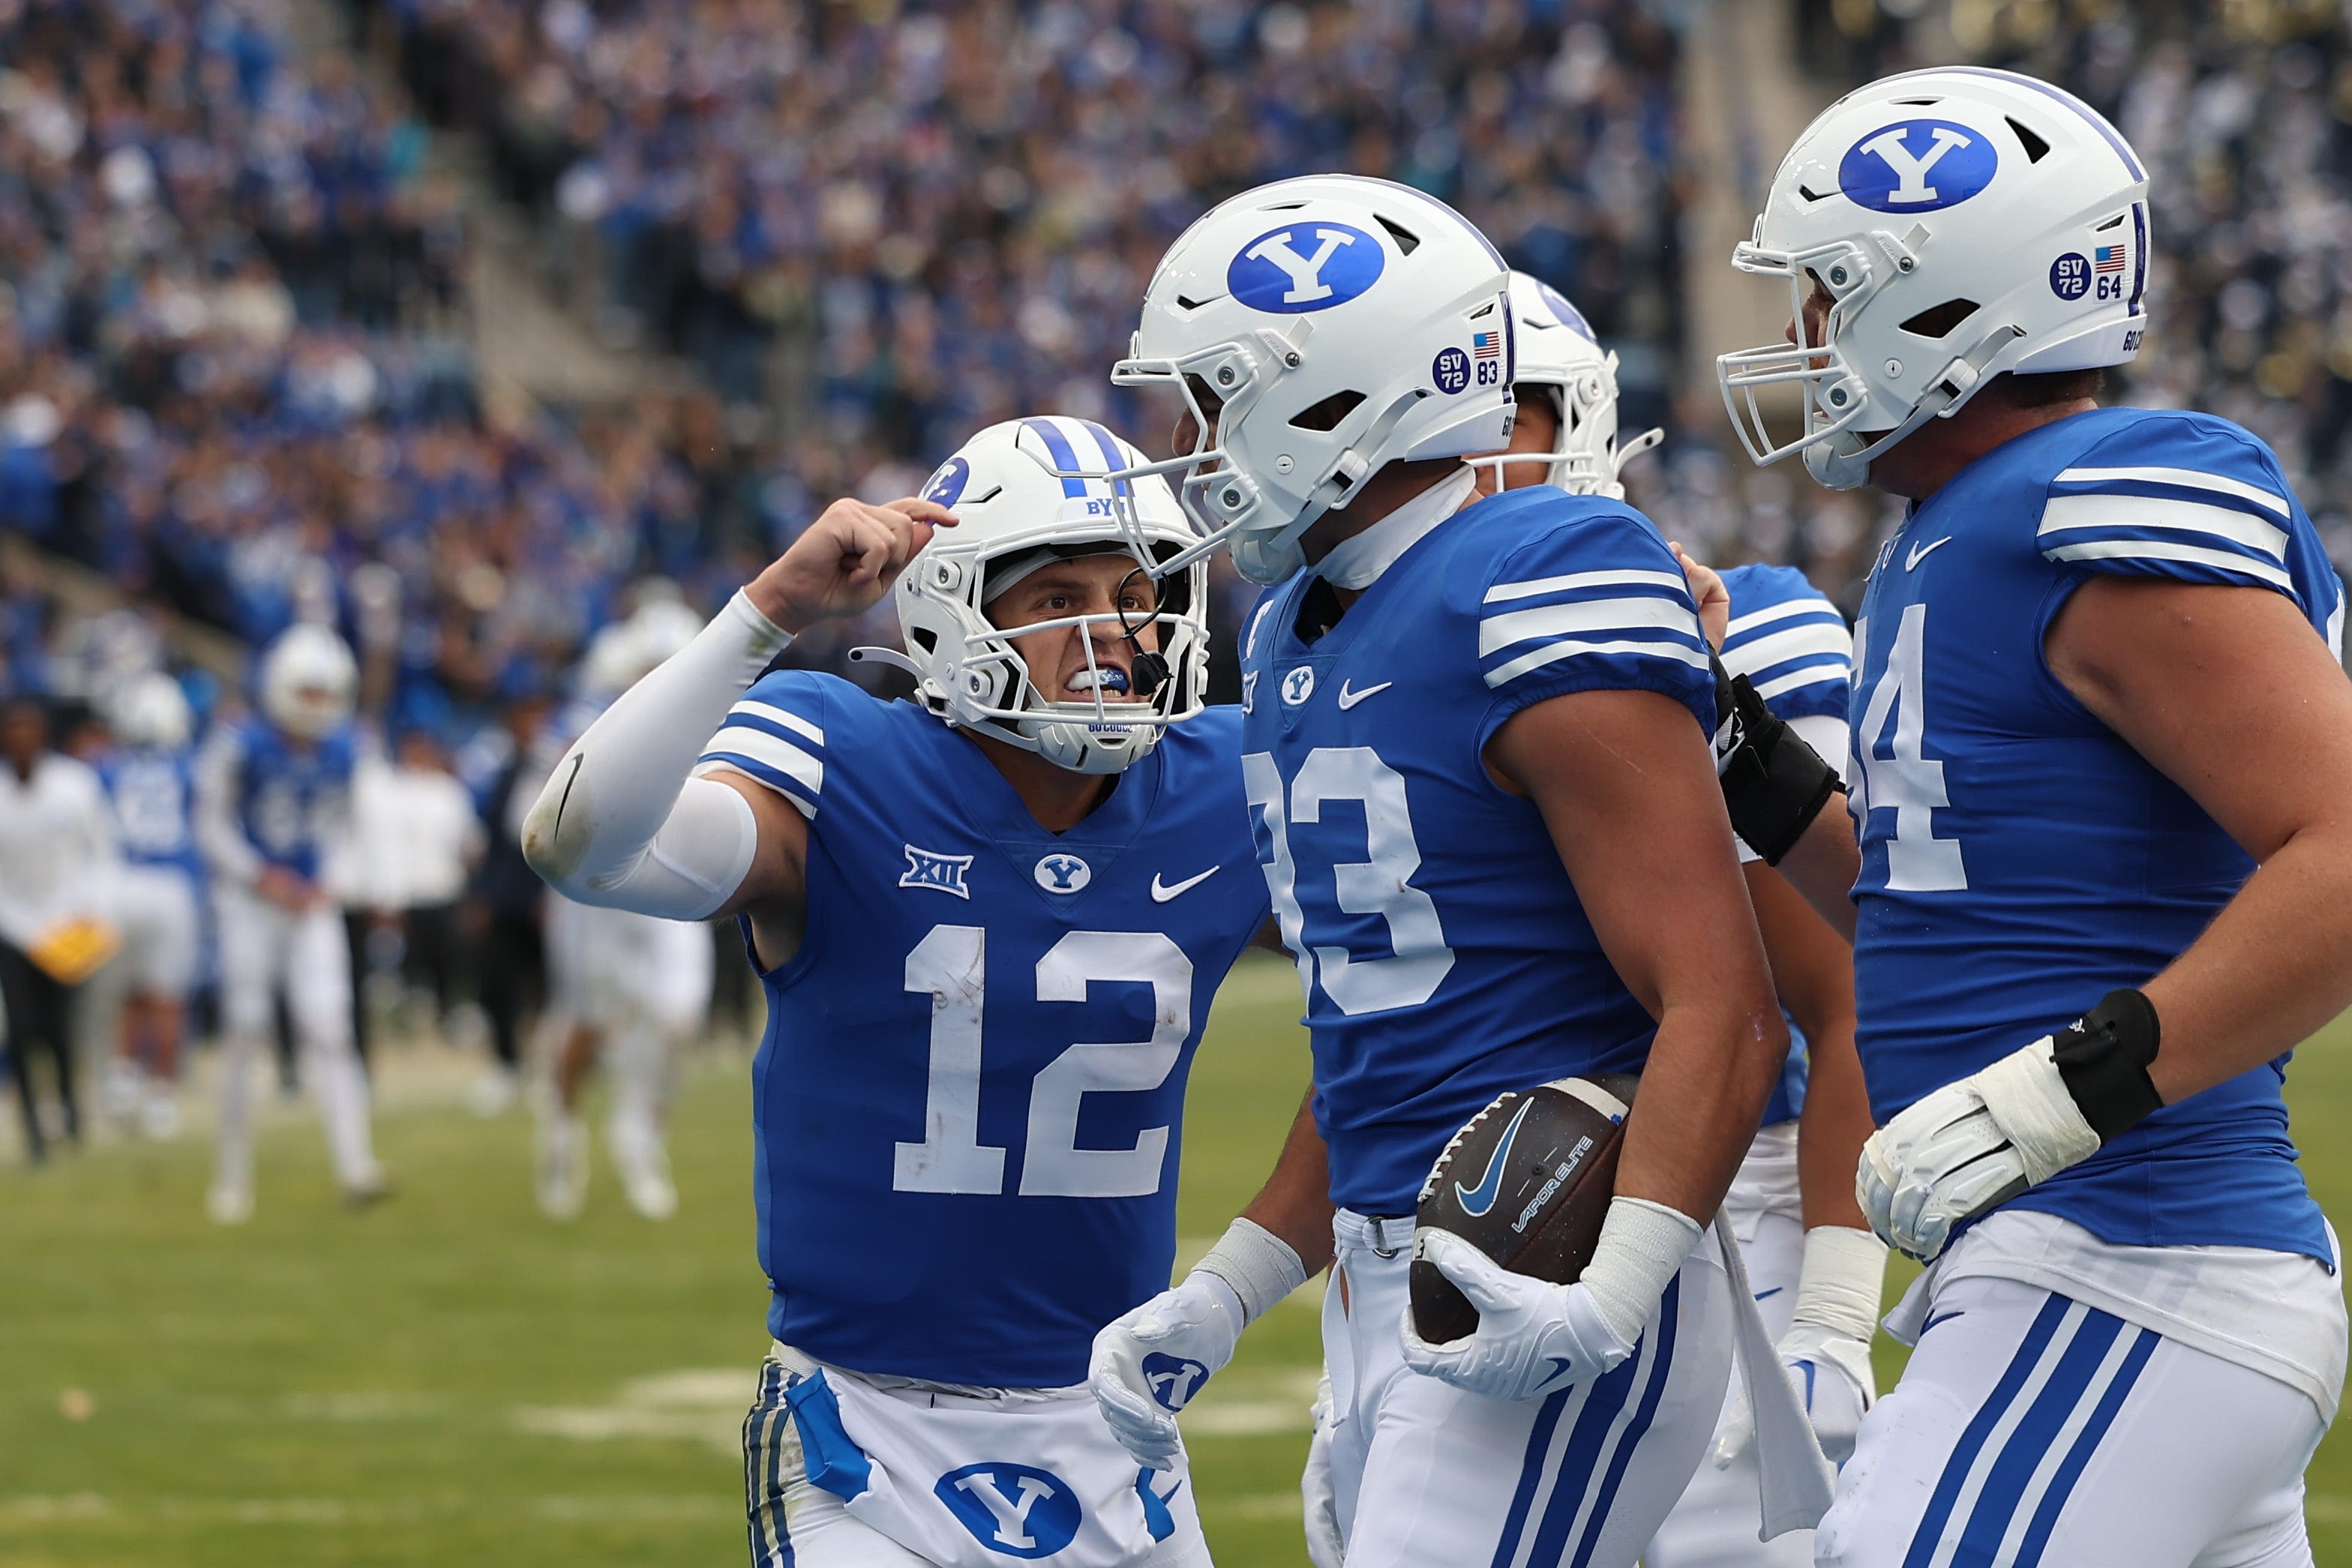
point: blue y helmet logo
(1017, 1509)
(1475, 1201)
(947, 486)
(1570, 316)
(1306, 267)
(1918, 166)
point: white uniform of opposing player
(273, 815)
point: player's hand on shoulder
(1150, 1362)
(1974, 1144)
(844, 561)
(1533, 1338)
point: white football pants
(265, 948)
(1427, 1476)
(2031, 1431)
(156, 907)
(1716, 1522)
(795, 1523)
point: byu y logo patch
(1017, 1509)
(941, 873)
(1918, 166)
(1059, 873)
(1306, 267)
(1570, 316)
(1173, 1379)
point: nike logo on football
(1921, 552)
(1349, 699)
(1161, 893)
(1940, 1318)
(1478, 1200)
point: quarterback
(990, 923)
(1815, 1271)
(1474, 736)
(2102, 747)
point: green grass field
(452, 1380)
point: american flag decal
(2107, 258)
(1489, 345)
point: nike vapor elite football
(1528, 1183)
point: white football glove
(1534, 1337)
(1979, 1142)
(1834, 1383)
(1148, 1364)
(1324, 1548)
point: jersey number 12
(951, 966)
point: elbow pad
(1774, 784)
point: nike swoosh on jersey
(1349, 699)
(1921, 552)
(1773, 1292)
(1478, 1200)
(1161, 893)
(1940, 1318)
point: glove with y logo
(1150, 1362)
(1534, 1337)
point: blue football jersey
(1791, 643)
(970, 1095)
(2018, 860)
(152, 793)
(292, 802)
(1443, 953)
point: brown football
(1528, 1183)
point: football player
(150, 785)
(273, 814)
(1476, 743)
(626, 988)
(2102, 747)
(990, 921)
(1815, 1270)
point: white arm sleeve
(620, 823)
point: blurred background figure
(58, 885)
(502, 914)
(273, 815)
(149, 774)
(629, 991)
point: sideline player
(990, 923)
(150, 782)
(2102, 756)
(273, 813)
(1816, 1284)
(1476, 739)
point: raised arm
(623, 822)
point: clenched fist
(846, 562)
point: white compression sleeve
(620, 823)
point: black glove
(1773, 783)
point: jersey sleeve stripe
(1829, 638)
(2066, 514)
(1496, 632)
(1624, 578)
(775, 762)
(712, 761)
(1839, 676)
(752, 707)
(1771, 612)
(2194, 555)
(1551, 653)
(2183, 478)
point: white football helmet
(152, 712)
(1559, 357)
(1967, 223)
(1022, 491)
(1340, 324)
(310, 682)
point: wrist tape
(1841, 1281)
(1261, 1267)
